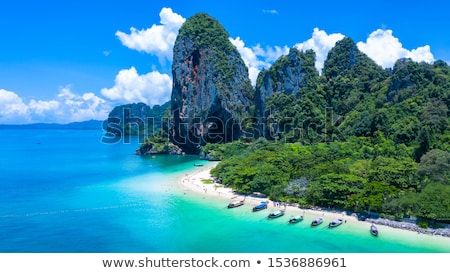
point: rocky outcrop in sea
(158, 148)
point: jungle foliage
(358, 137)
(138, 119)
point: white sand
(193, 181)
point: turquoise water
(63, 191)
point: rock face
(211, 93)
(291, 74)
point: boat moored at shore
(317, 221)
(335, 223)
(374, 230)
(235, 204)
(275, 214)
(260, 206)
(295, 219)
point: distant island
(82, 125)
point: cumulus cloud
(151, 88)
(77, 107)
(385, 49)
(321, 43)
(66, 107)
(158, 39)
(12, 108)
(257, 58)
(40, 107)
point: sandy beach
(193, 182)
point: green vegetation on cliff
(211, 85)
(357, 137)
(205, 32)
(137, 119)
(289, 96)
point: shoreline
(193, 181)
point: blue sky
(72, 61)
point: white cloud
(250, 58)
(271, 54)
(256, 58)
(385, 49)
(66, 107)
(270, 11)
(151, 88)
(40, 107)
(12, 108)
(74, 107)
(321, 43)
(158, 39)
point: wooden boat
(236, 204)
(317, 221)
(198, 165)
(295, 219)
(275, 214)
(335, 223)
(260, 206)
(374, 230)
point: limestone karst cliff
(293, 75)
(211, 93)
(213, 101)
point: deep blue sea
(64, 191)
